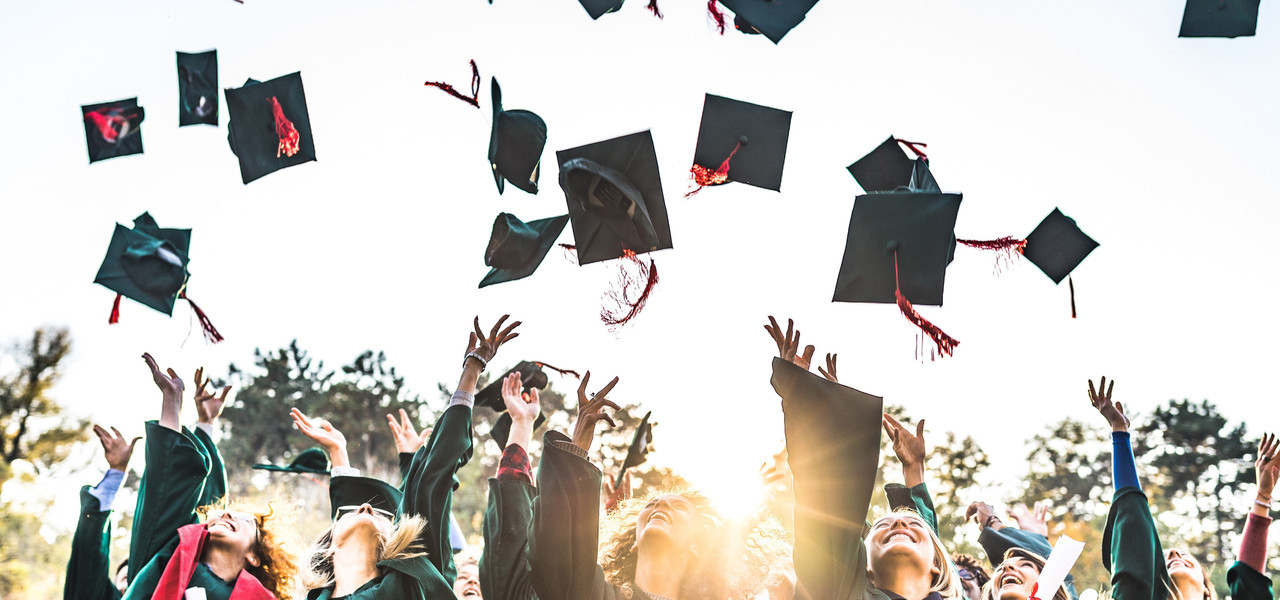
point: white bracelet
(1266, 505)
(484, 364)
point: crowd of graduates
(554, 534)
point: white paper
(1061, 559)
(194, 594)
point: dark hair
(980, 574)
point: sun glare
(735, 493)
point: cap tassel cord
(474, 99)
(542, 365)
(914, 147)
(1008, 249)
(210, 332)
(704, 177)
(1071, 285)
(716, 15)
(619, 295)
(946, 344)
(653, 7)
(105, 124)
(288, 134)
(570, 252)
(115, 311)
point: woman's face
(898, 537)
(237, 531)
(1181, 564)
(669, 519)
(970, 583)
(1015, 579)
(363, 522)
(468, 583)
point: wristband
(1266, 505)
(987, 523)
(484, 364)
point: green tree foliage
(1070, 464)
(32, 426)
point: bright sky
(1160, 147)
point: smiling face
(1015, 578)
(897, 540)
(1184, 568)
(235, 531)
(467, 586)
(668, 520)
(360, 523)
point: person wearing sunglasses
(972, 575)
(393, 544)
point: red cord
(474, 98)
(704, 177)
(946, 344)
(290, 141)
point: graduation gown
(89, 569)
(428, 492)
(504, 564)
(1131, 549)
(1248, 584)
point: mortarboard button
(516, 140)
(740, 141)
(198, 88)
(1220, 18)
(517, 248)
(773, 18)
(269, 127)
(113, 129)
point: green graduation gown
(89, 570)
(1131, 549)
(1248, 584)
(504, 564)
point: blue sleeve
(1123, 470)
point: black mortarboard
(1219, 18)
(516, 140)
(354, 491)
(833, 449)
(596, 8)
(615, 197)
(269, 127)
(147, 263)
(773, 18)
(886, 168)
(1057, 245)
(198, 88)
(311, 460)
(517, 248)
(740, 141)
(501, 430)
(531, 376)
(113, 129)
(638, 452)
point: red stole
(182, 565)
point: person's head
(263, 536)
(1185, 570)
(362, 527)
(903, 540)
(725, 560)
(467, 585)
(121, 579)
(1015, 578)
(972, 575)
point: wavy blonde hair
(729, 560)
(945, 582)
(275, 545)
(401, 543)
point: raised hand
(407, 439)
(523, 407)
(208, 404)
(983, 514)
(910, 449)
(115, 448)
(590, 412)
(325, 434)
(170, 385)
(830, 372)
(789, 344)
(1035, 519)
(484, 348)
(1268, 468)
(1100, 398)
(612, 497)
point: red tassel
(914, 147)
(1004, 244)
(210, 332)
(115, 311)
(946, 344)
(474, 99)
(1072, 286)
(653, 7)
(621, 295)
(704, 177)
(570, 252)
(290, 141)
(716, 15)
(560, 371)
(105, 124)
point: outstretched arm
(504, 563)
(910, 450)
(1247, 578)
(89, 569)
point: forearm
(471, 368)
(1253, 545)
(521, 434)
(107, 489)
(171, 412)
(912, 474)
(1123, 469)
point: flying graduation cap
(638, 452)
(269, 128)
(772, 18)
(531, 376)
(149, 264)
(887, 168)
(113, 129)
(599, 8)
(1219, 18)
(517, 248)
(740, 141)
(1057, 246)
(516, 140)
(198, 88)
(311, 460)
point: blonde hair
(945, 581)
(728, 560)
(401, 543)
(989, 590)
(275, 544)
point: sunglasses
(344, 510)
(966, 575)
(243, 517)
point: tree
(1070, 464)
(32, 427)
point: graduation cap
(501, 430)
(740, 141)
(1057, 246)
(897, 250)
(517, 248)
(887, 168)
(531, 376)
(112, 129)
(833, 449)
(198, 88)
(1220, 18)
(149, 264)
(638, 452)
(269, 127)
(354, 491)
(773, 18)
(598, 8)
(311, 460)
(516, 140)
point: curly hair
(401, 543)
(275, 544)
(730, 560)
(980, 574)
